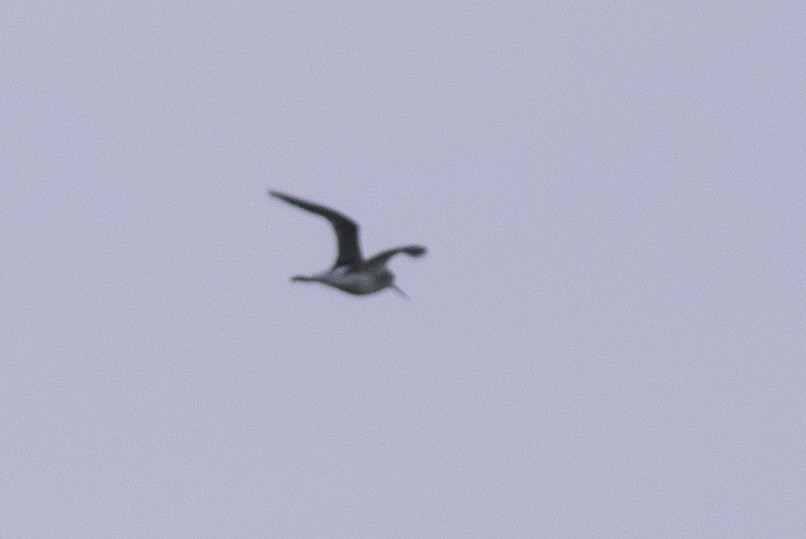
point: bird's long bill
(399, 291)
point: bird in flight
(351, 273)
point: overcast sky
(607, 337)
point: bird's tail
(399, 291)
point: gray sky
(607, 337)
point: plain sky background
(606, 339)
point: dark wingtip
(278, 194)
(285, 198)
(418, 250)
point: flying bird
(351, 273)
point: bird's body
(353, 282)
(351, 273)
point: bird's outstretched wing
(346, 229)
(381, 258)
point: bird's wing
(381, 258)
(346, 229)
